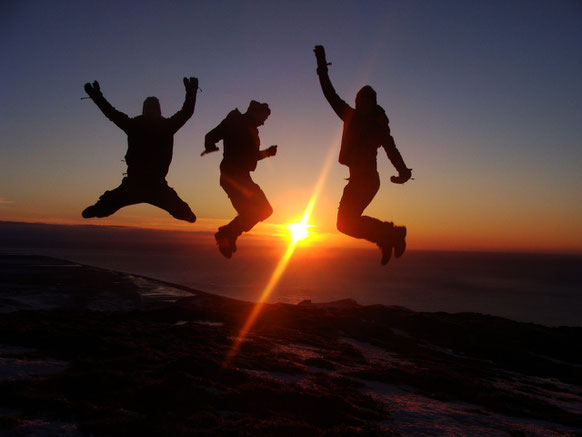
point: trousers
(248, 200)
(357, 195)
(137, 190)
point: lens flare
(299, 231)
(301, 228)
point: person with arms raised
(150, 138)
(365, 130)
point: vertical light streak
(282, 265)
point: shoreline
(117, 354)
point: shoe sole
(225, 249)
(385, 259)
(400, 243)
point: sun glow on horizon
(299, 231)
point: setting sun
(299, 231)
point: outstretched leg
(357, 195)
(166, 198)
(111, 201)
(251, 204)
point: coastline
(113, 354)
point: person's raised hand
(191, 84)
(320, 55)
(93, 89)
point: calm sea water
(539, 288)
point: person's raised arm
(268, 152)
(120, 119)
(338, 105)
(183, 115)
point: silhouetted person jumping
(150, 139)
(365, 129)
(240, 136)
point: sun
(299, 231)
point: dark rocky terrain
(87, 351)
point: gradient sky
(484, 100)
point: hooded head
(366, 99)
(258, 112)
(151, 108)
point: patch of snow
(277, 376)
(442, 350)
(208, 323)
(414, 414)
(555, 361)
(34, 300)
(375, 354)
(551, 391)
(302, 350)
(152, 289)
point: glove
(272, 150)
(191, 84)
(320, 56)
(93, 90)
(403, 176)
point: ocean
(529, 287)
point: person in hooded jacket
(365, 130)
(150, 139)
(240, 136)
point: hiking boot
(96, 210)
(89, 212)
(387, 243)
(99, 210)
(399, 235)
(226, 244)
(386, 253)
(188, 216)
(182, 212)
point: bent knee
(346, 224)
(266, 212)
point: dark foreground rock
(86, 351)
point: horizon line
(324, 242)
